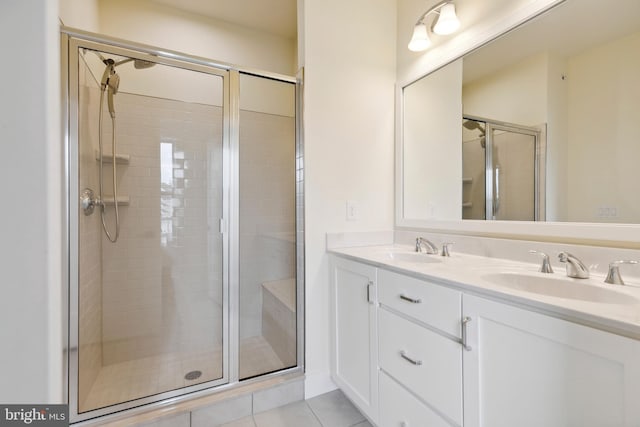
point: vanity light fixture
(447, 23)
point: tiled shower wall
(162, 280)
(90, 277)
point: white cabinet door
(354, 356)
(527, 369)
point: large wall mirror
(541, 124)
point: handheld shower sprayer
(110, 83)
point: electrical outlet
(607, 212)
(353, 210)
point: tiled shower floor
(121, 382)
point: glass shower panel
(150, 305)
(514, 163)
(267, 226)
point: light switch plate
(353, 210)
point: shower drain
(193, 375)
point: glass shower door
(513, 169)
(267, 225)
(501, 171)
(151, 316)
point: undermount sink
(559, 288)
(411, 257)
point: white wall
(557, 139)
(431, 133)
(147, 22)
(144, 21)
(516, 94)
(79, 14)
(30, 252)
(348, 135)
(608, 73)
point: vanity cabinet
(403, 355)
(527, 369)
(353, 313)
(398, 407)
(418, 326)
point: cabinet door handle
(410, 360)
(411, 300)
(465, 321)
(369, 297)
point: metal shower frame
(71, 41)
(539, 134)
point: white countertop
(465, 272)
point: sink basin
(412, 257)
(556, 287)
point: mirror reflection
(548, 124)
(501, 165)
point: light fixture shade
(420, 39)
(447, 22)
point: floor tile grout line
(314, 414)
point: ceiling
(271, 16)
(565, 31)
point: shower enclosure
(503, 168)
(184, 183)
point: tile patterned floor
(328, 410)
(137, 378)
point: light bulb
(420, 39)
(447, 22)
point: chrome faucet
(430, 248)
(613, 276)
(575, 267)
(546, 265)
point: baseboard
(316, 384)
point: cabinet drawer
(435, 375)
(399, 408)
(433, 304)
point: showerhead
(476, 125)
(138, 64)
(111, 80)
(472, 125)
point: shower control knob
(88, 201)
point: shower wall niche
(201, 287)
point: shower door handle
(496, 194)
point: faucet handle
(613, 276)
(445, 248)
(546, 265)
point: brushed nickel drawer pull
(465, 321)
(370, 299)
(411, 300)
(410, 360)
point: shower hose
(111, 238)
